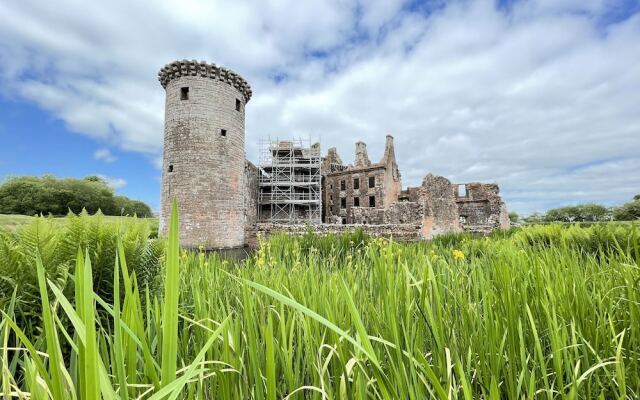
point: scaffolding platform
(290, 184)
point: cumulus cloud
(105, 155)
(539, 96)
(114, 183)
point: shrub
(30, 195)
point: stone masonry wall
(481, 208)
(398, 213)
(397, 232)
(333, 193)
(440, 213)
(204, 166)
(251, 178)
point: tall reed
(539, 313)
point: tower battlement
(203, 69)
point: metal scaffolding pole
(290, 182)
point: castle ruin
(225, 201)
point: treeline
(32, 195)
(589, 213)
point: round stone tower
(203, 162)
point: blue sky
(37, 143)
(540, 96)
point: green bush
(30, 195)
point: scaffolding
(290, 182)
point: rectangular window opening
(343, 185)
(462, 190)
(372, 181)
(170, 167)
(184, 93)
(343, 203)
(356, 183)
(372, 201)
(223, 132)
(344, 221)
(238, 105)
(356, 202)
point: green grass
(536, 313)
(13, 222)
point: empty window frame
(356, 201)
(343, 203)
(344, 221)
(238, 104)
(343, 185)
(170, 169)
(184, 93)
(372, 181)
(372, 201)
(356, 183)
(223, 132)
(462, 190)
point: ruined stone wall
(403, 213)
(334, 194)
(398, 213)
(397, 232)
(358, 191)
(481, 208)
(366, 215)
(439, 210)
(203, 161)
(251, 178)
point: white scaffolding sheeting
(290, 182)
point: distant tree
(636, 197)
(534, 218)
(31, 195)
(126, 206)
(629, 211)
(592, 212)
(513, 216)
(580, 213)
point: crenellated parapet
(177, 69)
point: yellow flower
(458, 255)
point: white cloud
(105, 155)
(540, 97)
(114, 183)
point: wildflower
(458, 255)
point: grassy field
(12, 222)
(541, 312)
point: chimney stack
(389, 151)
(362, 159)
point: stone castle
(226, 201)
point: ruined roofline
(203, 69)
(349, 169)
